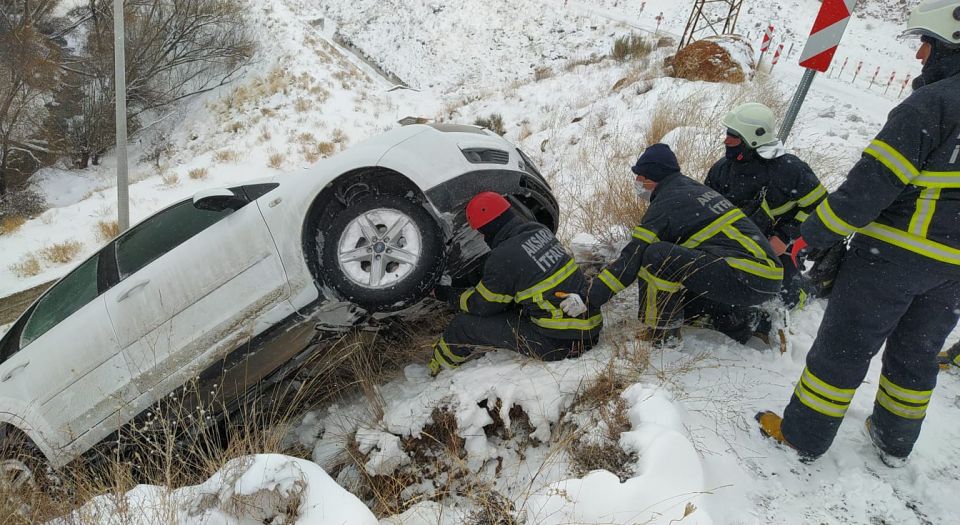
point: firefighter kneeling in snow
(694, 253)
(899, 284)
(517, 303)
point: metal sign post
(120, 94)
(818, 53)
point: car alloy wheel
(379, 248)
(16, 474)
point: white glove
(573, 305)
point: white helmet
(754, 122)
(938, 19)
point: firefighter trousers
(874, 301)
(468, 335)
(676, 281)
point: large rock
(727, 58)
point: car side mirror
(218, 199)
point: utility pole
(707, 17)
(120, 92)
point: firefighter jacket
(526, 268)
(684, 212)
(777, 194)
(902, 199)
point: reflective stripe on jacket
(684, 212)
(527, 267)
(902, 198)
(777, 194)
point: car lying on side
(230, 285)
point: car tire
(382, 252)
(21, 463)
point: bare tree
(29, 63)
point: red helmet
(484, 207)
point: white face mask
(642, 193)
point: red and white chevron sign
(767, 37)
(826, 34)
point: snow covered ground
(696, 456)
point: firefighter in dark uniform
(899, 283)
(694, 251)
(775, 189)
(517, 303)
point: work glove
(826, 266)
(778, 246)
(799, 246)
(573, 305)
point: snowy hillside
(687, 449)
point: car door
(62, 368)
(190, 279)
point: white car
(231, 285)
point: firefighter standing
(900, 281)
(694, 251)
(775, 189)
(517, 303)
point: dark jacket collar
(669, 179)
(510, 229)
(945, 63)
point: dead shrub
(337, 136)
(542, 73)
(28, 266)
(226, 156)
(709, 61)
(61, 252)
(198, 173)
(25, 203)
(11, 223)
(302, 105)
(106, 230)
(275, 160)
(602, 417)
(586, 61)
(494, 123)
(169, 178)
(631, 47)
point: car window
(72, 293)
(162, 233)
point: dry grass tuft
(226, 156)
(494, 123)
(275, 160)
(61, 252)
(28, 266)
(631, 47)
(198, 173)
(542, 73)
(586, 61)
(302, 105)
(599, 416)
(11, 223)
(169, 178)
(337, 136)
(106, 230)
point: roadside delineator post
(765, 44)
(874, 77)
(856, 73)
(893, 75)
(818, 52)
(905, 82)
(844, 66)
(776, 57)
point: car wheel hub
(379, 248)
(15, 474)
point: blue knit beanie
(656, 163)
